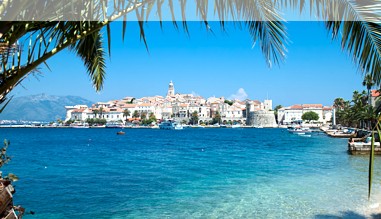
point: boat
(216, 125)
(197, 126)
(347, 133)
(79, 125)
(236, 126)
(120, 133)
(170, 125)
(114, 125)
(296, 130)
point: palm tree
(368, 83)
(356, 23)
(49, 30)
(339, 103)
(143, 115)
(194, 118)
(135, 114)
(100, 112)
(96, 112)
(126, 113)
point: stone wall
(262, 118)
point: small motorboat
(120, 133)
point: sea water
(190, 173)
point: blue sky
(316, 69)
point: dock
(362, 148)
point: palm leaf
(90, 50)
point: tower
(268, 104)
(171, 89)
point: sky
(218, 64)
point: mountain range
(40, 107)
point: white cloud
(239, 95)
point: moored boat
(114, 125)
(236, 126)
(79, 125)
(296, 130)
(170, 125)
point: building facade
(175, 106)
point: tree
(96, 112)
(143, 115)
(310, 116)
(276, 111)
(368, 83)
(126, 113)
(100, 112)
(228, 102)
(355, 22)
(150, 120)
(339, 103)
(135, 114)
(49, 30)
(152, 117)
(216, 118)
(194, 118)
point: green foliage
(309, 116)
(126, 113)
(69, 122)
(229, 102)
(355, 113)
(194, 118)
(96, 121)
(151, 119)
(216, 118)
(135, 114)
(143, 115)
(276, 111)
(4, 158)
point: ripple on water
(195, 173)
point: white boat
(170, 125)
(197, 126)
(236, 126)
(79, 125)
(299, 130)
(114, 125)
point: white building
(76, 108)
(293, 114)
(174, 105)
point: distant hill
(40, 107)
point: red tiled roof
(130, 106)
(78, 110)
(145, 104)
(312, 105)
(296, 107)
(257, 102)
(375, 93)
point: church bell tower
(171, 89)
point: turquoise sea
(192, 173)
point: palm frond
(90, 50)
